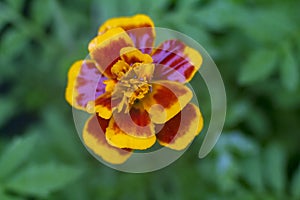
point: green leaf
(5, 196)
(289, 72)
(6, 14)
(252, 172)
(102, 13)
(41, 11)
(218, 14)
(64, 145)
(8, 108)
(258, 66)
(242, 193)
(129, 10)
(258, 122)
(15, 154)
(237, 142)
(186, 5)
(16, 4)
(14, 43)
(274, 168)
(267, 25)
(237, 112)
(41, 180)
(62, 27)
(227, 171)
(194, 32)
(295, 186)
(155, 6)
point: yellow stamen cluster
(133, 86)
(130, 91)
(133, 72)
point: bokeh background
(255, 44)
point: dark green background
(255, 44)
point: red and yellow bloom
(135, 91)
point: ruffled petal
(136, 122)
(105, 49)
(118, 138)
(85, 84)
(132, 55)
(94, 139)
(103, 105)
(175, 61)
(139, 27)
(166, 100)
(179, 132)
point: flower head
(134, 91)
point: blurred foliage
(254, 43)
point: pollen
(133, 86)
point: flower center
(132, 85)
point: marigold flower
(135, 91)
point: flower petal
(105, 49)
(139, 27)
(175, 61)
(118, 138)
(166, 100)
(132, 55)
(179, 132)
(85, 83)
(103, 105)
(94, 139)
(136, 123)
